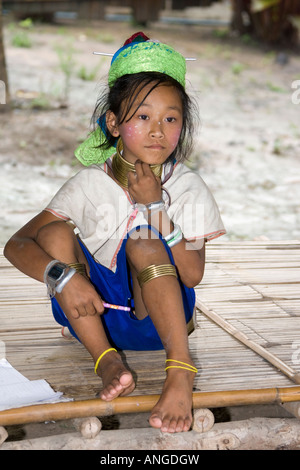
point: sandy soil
(247, 149)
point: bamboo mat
(255, 286)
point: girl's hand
(143, 186)
(80, 298)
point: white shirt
(104, 213)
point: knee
(141, 245)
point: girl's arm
(189, 256)
(144, 188)
(23, 251)
(78, 297)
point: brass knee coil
(153, 272)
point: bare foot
(117, 380)
(173, 411)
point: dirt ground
(247, 149)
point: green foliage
(26, 24)
(66, 64)
(260, 5)
(40, 102)
(237, 68)
(21, 39)
(66, 58)
(86, 75)
(272, 87)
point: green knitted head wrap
(138, 54)
(147, 56)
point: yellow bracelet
(100, 357)
(187, 366)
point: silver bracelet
(152, 207)
(65, 280)
(174, 237)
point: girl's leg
(60, 242)
(161, 299)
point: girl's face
(152, 133)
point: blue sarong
(124, 331)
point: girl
(142, 218)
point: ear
(111, 123)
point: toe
(155, 421)
(111, 391)
(187, 424)
(120, 386)
(169, 425)
(125, 379)
(180, 425)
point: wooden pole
(142, 403)
(251, 434)
(240, 336)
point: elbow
(191, 284)
(193, 279)
(193, 269)
(8, 249)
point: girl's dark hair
(126, 90)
